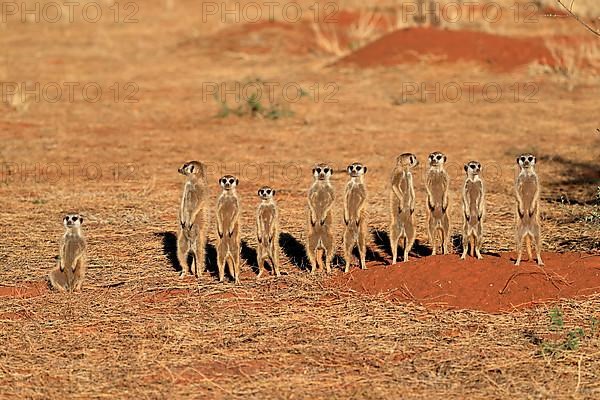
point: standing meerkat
(473, 196)
(320, 222)
(267, 231)
(69, 273)
(228, 228)
(527, 188)
(437, 201)
(402, 205)
(193, 219)
(355, 215)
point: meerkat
(437, 201)
(402, 205)
(320, 222)
(267, 231)
(193, 219)
(71, 265)
(228, 228)
(527, 188)
(355, 215)
(473, 195)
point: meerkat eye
(268, 192)
(358, 168)
(530, 158)
(318, 170)
(523, 159)
(326, 170)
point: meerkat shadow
(169, 243)
(210, 260)
(457, 243)
(294, 250)
(382, 240)
(249, 254)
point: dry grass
(278, 339)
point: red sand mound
(492, 284)
(500, 53)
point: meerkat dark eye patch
(358, 168)
(530, 158)
(268, 191)
(326, 170)
(318, 170)
(523, 159)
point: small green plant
(258, 101)
(556, 319)
(569, 340)
(594, 217)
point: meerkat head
(436, 159)
(266, 193)
(192, 169)
(356, 169)
(526, 161)
(407, 160)
(228, 182)
(322, 172)
(473, 168)
(72, 221)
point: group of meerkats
(194, 219)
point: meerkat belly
(528, 191)
(472, 211)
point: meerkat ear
(258, 192)
(349, 168)
(273, 191)
(81, 220)
(237, 181)
(518, 160)
(445, 158)
(365, 168)
(466, 167)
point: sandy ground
(138, 331)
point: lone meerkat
(193, 219)
(402, 205)
(71, 268)
(228, 228)
(320, 222)
(267, 231)
(355, 215)
(527, 188)
(437, 201)
(473, 196)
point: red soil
(25, 290)
(500, 53)
(493, 284)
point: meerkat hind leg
(394, 238)
(538, 245)
(182, 254)
(362, 250)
